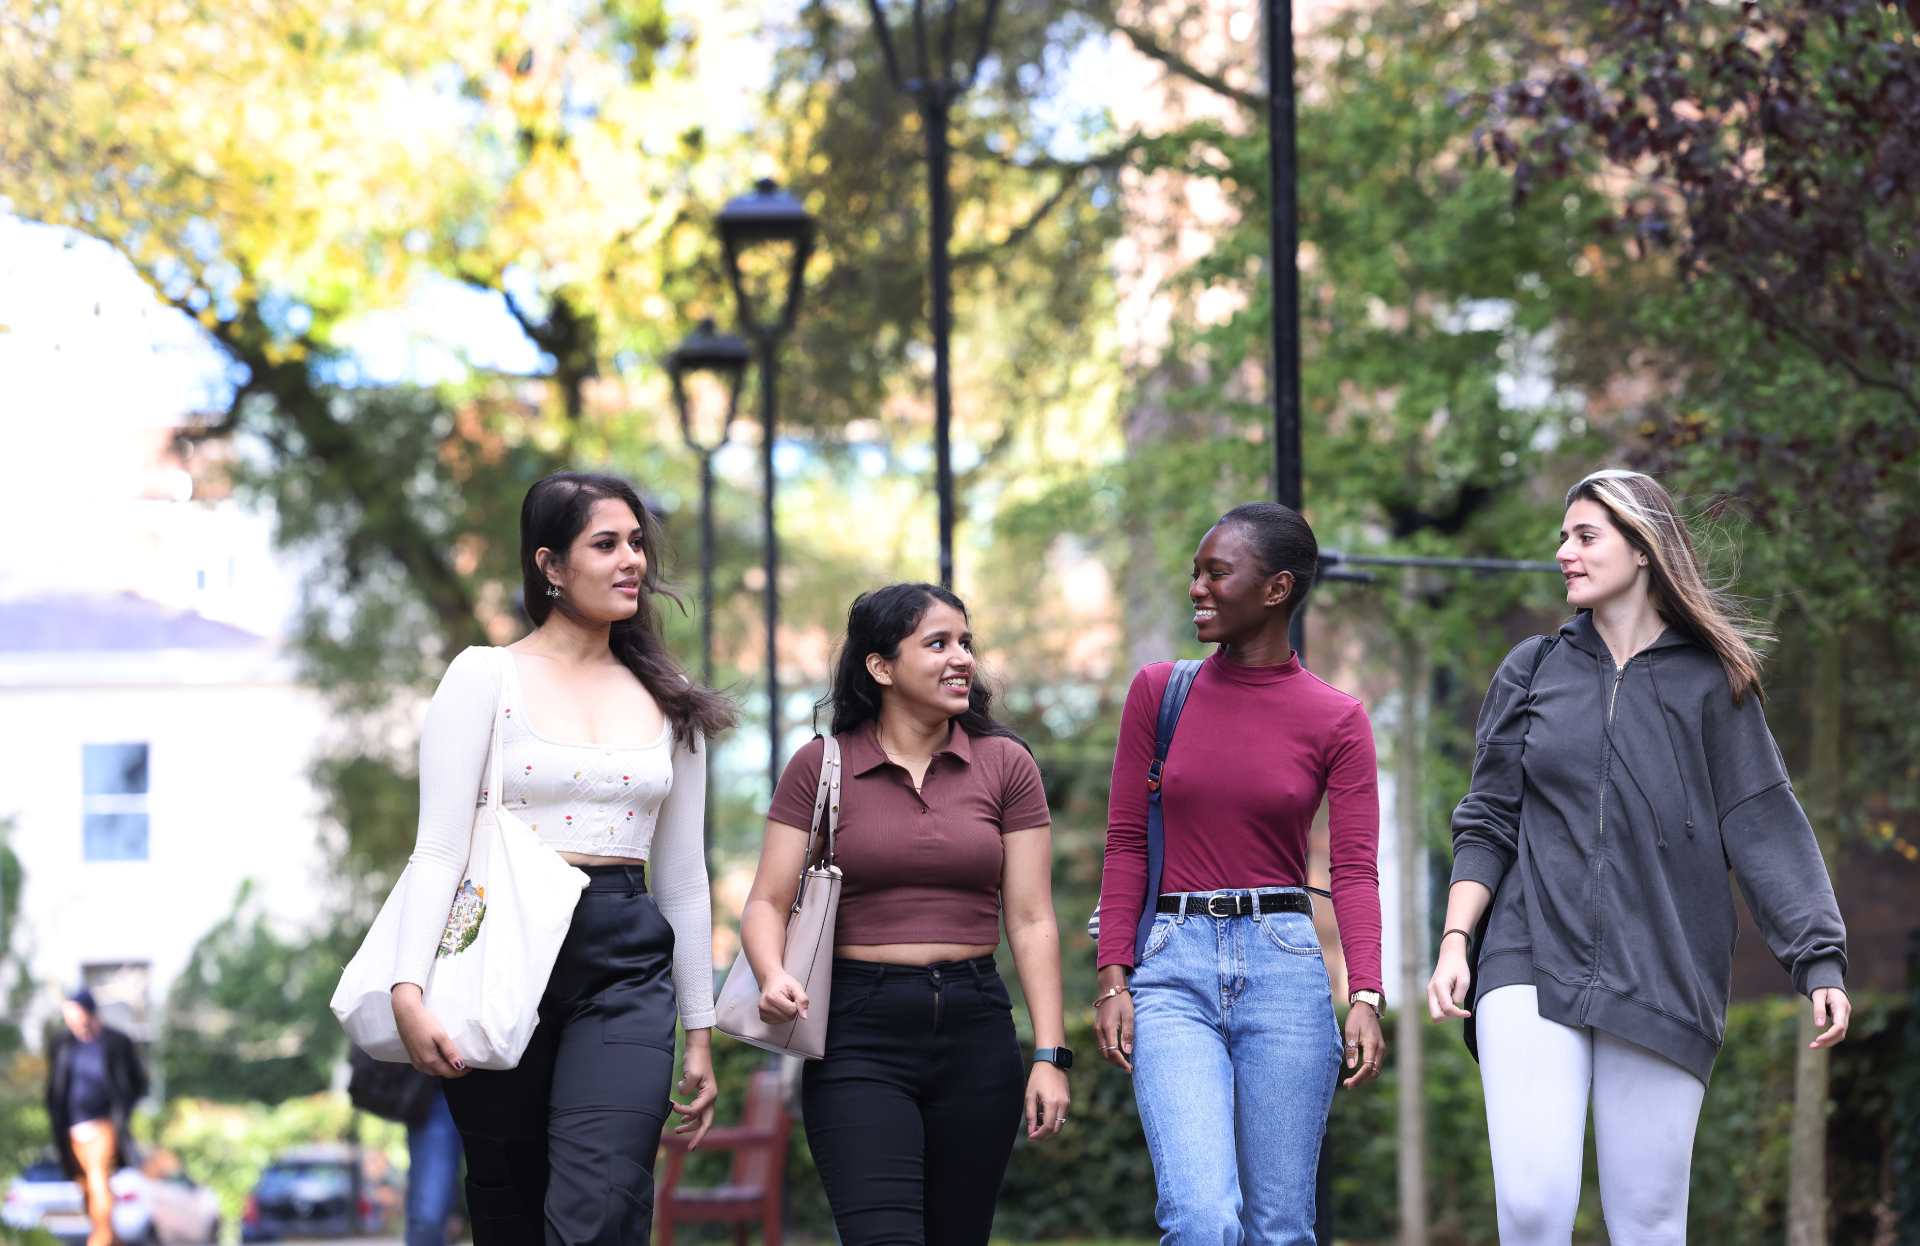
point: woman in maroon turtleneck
(1223, 1010)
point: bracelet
(1111, 992)
(1455, 930)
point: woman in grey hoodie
(1623, 768)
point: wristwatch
(1373, 999)
(1059, 1057)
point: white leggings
(1536, 1074)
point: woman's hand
(1366, 1045)
(428, 1046)
(1047, 1099)
(1447, 989)
(1832, 1010)
(697, 1084)
(782, 999)
(1113, 1017)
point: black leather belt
(1236, 903)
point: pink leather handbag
(809, 948)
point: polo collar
(861, 751)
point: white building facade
(148, 770)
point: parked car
(321, 1190)
(148, 1210)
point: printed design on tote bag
(463, 923)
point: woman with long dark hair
(1624, 767)
(1212, 990)
(604, 756)
(943, 828)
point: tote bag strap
(826, 815)
(496, 769)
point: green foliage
(1904, 1165)
(247, 1019)
(24, 1130)
(16, 984)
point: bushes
(1095, 1178)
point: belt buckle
(1229, 899)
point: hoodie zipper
(1606, 766)
(1600, 844)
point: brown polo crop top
(920, 867)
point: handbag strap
(826, 813)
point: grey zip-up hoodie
(1607, 807)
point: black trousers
(913, 1114)
(560, 1149)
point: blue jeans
(433, 1174)
(1235, 1055)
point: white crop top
(642, 803)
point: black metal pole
(706, 636)
(1283, 250)
(1283, 270)
(768, 385)
(934, 101)
(706, 568)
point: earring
(553, 590)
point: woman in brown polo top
(943, 827)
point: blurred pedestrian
(605, 758)
(402, 1094)
(94, 1079)
(1624, 766)
(911, 1117)
(1212, 990)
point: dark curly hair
(876, 623)
(552, 515)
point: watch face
(1063, 1057)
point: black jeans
(560, 1149)
(913, 1114)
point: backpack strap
(1172, 701)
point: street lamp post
(768, 217)
(726, 357)
(935, 83)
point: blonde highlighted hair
(1644, 513)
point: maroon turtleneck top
(1256, 749)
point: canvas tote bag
(509, 916)
(809, 954)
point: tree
(247, 1019)
(1777, 148)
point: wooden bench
(752, 1191)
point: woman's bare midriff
(912, 953)
(581, 858)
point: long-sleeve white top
(647, 804)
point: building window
(115, 802)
